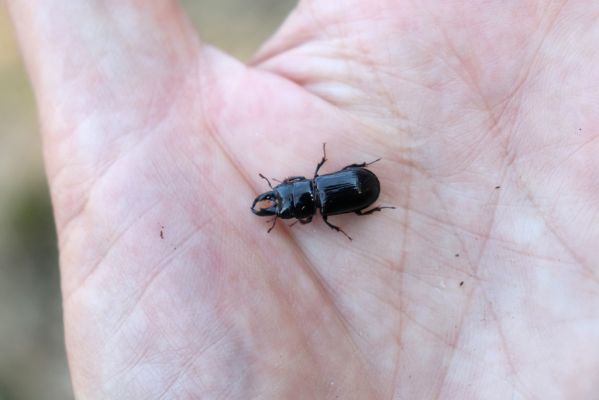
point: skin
(482, 284)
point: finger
(78, 51)
(92, 63)
(103, 71)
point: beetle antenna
(266, 179)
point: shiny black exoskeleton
(351, 189)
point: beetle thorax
(295, 200)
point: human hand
(483, 283)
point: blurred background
(32, 357)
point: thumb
(102, 72)
(97, 46)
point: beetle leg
(305, 221)
(324, 159)
(293, 179)
(360, 212)
(274, 221)
(335, 227)
(266, 179)
(362, 165)
(301, 221)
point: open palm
(482, 284)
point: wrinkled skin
(485, 115)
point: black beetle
(352, 189)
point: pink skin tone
(147, 128)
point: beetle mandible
(352, 189)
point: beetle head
(265, 197)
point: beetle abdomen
(345, 191)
